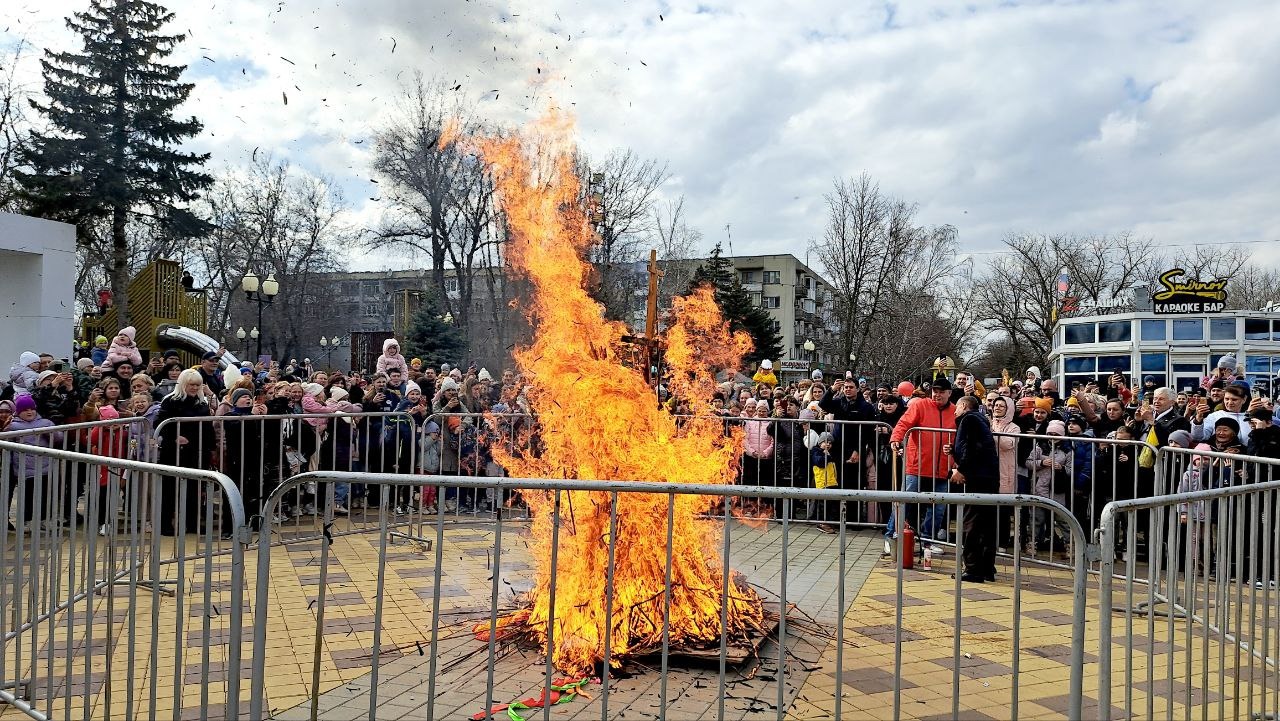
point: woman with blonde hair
(183, 444)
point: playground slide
(194, 341)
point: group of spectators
(401, 415)
(1043, 442)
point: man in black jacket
(977, 471)
(1264, 437)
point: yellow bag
(1147, 458)
(824, 477)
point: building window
(1115, 363)
(1154, 362)
(755, 299)
(1115, 331)
(1080, 364)
(1222, 329)
(372, 310)
(1257, 329)
(771, 276)
(777, 326)
(1154, 329)
(1079, 333)
(369, 287)
(748, 276)
(772, 302)
(451, 285)
(1189, 329)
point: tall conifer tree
(737, 308)
(111, 152)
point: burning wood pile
(598, 420)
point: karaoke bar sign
(1178, 294)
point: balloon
(906, 388)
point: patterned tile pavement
(341, 655)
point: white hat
(84, 363)
(337, 394)
(448, 384)
(27, 358)
(816, 374)
(484, 375)
(410, 387)
(766, 364)
(312, 389)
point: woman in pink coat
(1003, 411)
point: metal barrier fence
(259, 452)
(1211, 553)
(441, 670)
(89, 588)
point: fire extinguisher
(908, 547)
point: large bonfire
(599, 420)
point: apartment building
(799, 300)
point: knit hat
(448, 384)
(100, 340)
(455, 373)
(239, 393)
(28, 358)
(816, 375)
(1182, 438)
(444, 368)
(312, 389)
(766, 364)
(431, 427)
(1148, 379)
(1044, 404)
(484, 375)
(108, 413)
(388, 343)
(337, 394)
(43, 375)
(1033, 371)
(24, 403)
(807, 415)
(84, 364)
(1228, 362)
(416, 363)
(128, 331)
(246, 371)
(1229, 422)
(7, 405)
(1056, 428)
(824, 438)
(1204, 447)
(411, 387)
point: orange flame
(600, 420)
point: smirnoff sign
(1180, 295)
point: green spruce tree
(430, 338)
(110, 153)
(737, 308)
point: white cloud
(1085, 117)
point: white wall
(37, 287)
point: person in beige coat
(1003, 410)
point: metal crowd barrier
(1207, 603)
(581, 493)
(86, 588)
(260, 452)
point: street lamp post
(328, 347)
(809, 347)
(262, 294)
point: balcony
(753, 287)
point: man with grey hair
(1161, 418)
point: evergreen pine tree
(431, 339)
(737, 308)
(109, 154)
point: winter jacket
(1007, 446)
(824, 468)
(766, 377)
(23, 379)
(924, 449)
(1082, 463)
(1042, 482)
(56, 404)
(849, 438)
(119, 354)
(109, 442)
(1265, 442)
(759, 443)
(1204, 432)
(198, 433)
(975, 454)
(98, 356)
(311, 405)
(387, 362)
(29, 465)
(1192, 481)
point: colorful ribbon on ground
(562, 691)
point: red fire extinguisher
(908, 547)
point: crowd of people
(1021, 436)
(399, 416)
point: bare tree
(889, 275)
(677, 245)
(620, 192)
(13, 123)
(271, 218)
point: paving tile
(974, 666)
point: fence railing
(570, 500)
(73, 568)
(1202, 620)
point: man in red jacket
(927, 466)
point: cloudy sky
(1160, 118)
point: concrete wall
(37, 287)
